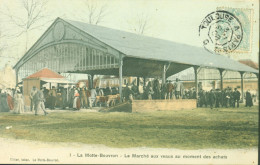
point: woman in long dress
(19, 103)
(249, 102)
(10, 101)
(76, 101)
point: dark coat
(249, 101)
(3, 103)
(211, 97)
(236, 95)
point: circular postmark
(220, 31)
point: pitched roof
(250, 63)
(45, 73)
(139, 46)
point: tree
(95, 13)
(32, 17)
(2, 43)
(140, 23)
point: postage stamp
(227, 30)
(245, 16)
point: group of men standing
(154, 90)
(224, 98)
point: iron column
(164, 74)
(16, 75)
(221, 78)
(138, 83)
(242, 86)
(196, 80)
(92, 81)
(120, 76)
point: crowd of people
(11, 99)
(75, 97)
(223, 98)
(154, 90)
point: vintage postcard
(129, 81)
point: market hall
(74, 47)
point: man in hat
(218, 97)
(135, 90)
(236, 97)
(170, 88)
(33, 92)
(178, 86)
(156, 89)
(53, 96)
(64, 97)
(211, 98)
(92, 98)
(127, 92)
(39, 97)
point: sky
(174, 20)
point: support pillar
(16, 76)
(92, 81)
(120, 77)
(242, 86)
(138, 83)
(89, 81)
(221, 78)
(67, 92)
(144, 82)
(196, 80)
(164, 74)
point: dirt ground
(17, 151)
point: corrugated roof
(45, 73)
(144, 47)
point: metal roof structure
(140, 46)
(74, 47)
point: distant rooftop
(45, 73)
(250, 63)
